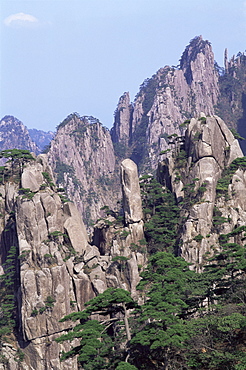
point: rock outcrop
(132, 203)
(166, 100)
(57, 268)
(231, 106)
(121, 130)
(49, 236)
(13, 134)
(210, 202)
(82, 158)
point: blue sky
(64, 56)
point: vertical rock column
(132, 203)
(132, 206)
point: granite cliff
(207, 174)
(13, 134)
(164, 101)
(85, 156)
(55, 267)
(83, 160)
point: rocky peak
(41, 138)
(191, 56)
(13, 134)
(121, 130)
(132, 203)
(231, 105)
(206, 173)
(164, 101)
(82, 158)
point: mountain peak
(191, 53)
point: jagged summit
(196, 46)
(164, 101)
(13, 134)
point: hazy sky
(64, 56)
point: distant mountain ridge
(13, 134)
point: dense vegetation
(187, 320)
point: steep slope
(231, 105)
(55, 268)
(207, 175)
(83, 160)
(164, 101)
(13, 134)
(41, 138)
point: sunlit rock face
(83, 160)
(57, 268)
(193, 173)
(13, 134)
(165, 101)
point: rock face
(13, 134)
(132, 203)
(124, 243)
(41, 138)
(196, 174)
(165, 101)
(57, 269)
(231, 105)
(48, 235)
(82, 158)
(123, 115)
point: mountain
(50, 267)
(140, 130)
(41, 138)
(13, 134)
(194, 208)
(164, 102)
(231, 104)
(84, 163)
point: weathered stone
(91, 252)
(32, 177)
(85, 172)
(132, 203)
(75, 228)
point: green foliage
(164, 151)
(198, 238)
(161, 215)
(125, 366)
(197, 136)
(34, 312)
(185, 123)
(27, 193)
(181, 159)
(100, 341)
(24, 255)
(48, 179)
(236, 134)
(49, 302)
(224, 181)
(17, 155)
(218, 219)
(7, 298)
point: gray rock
(132, 203)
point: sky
(63, 56)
